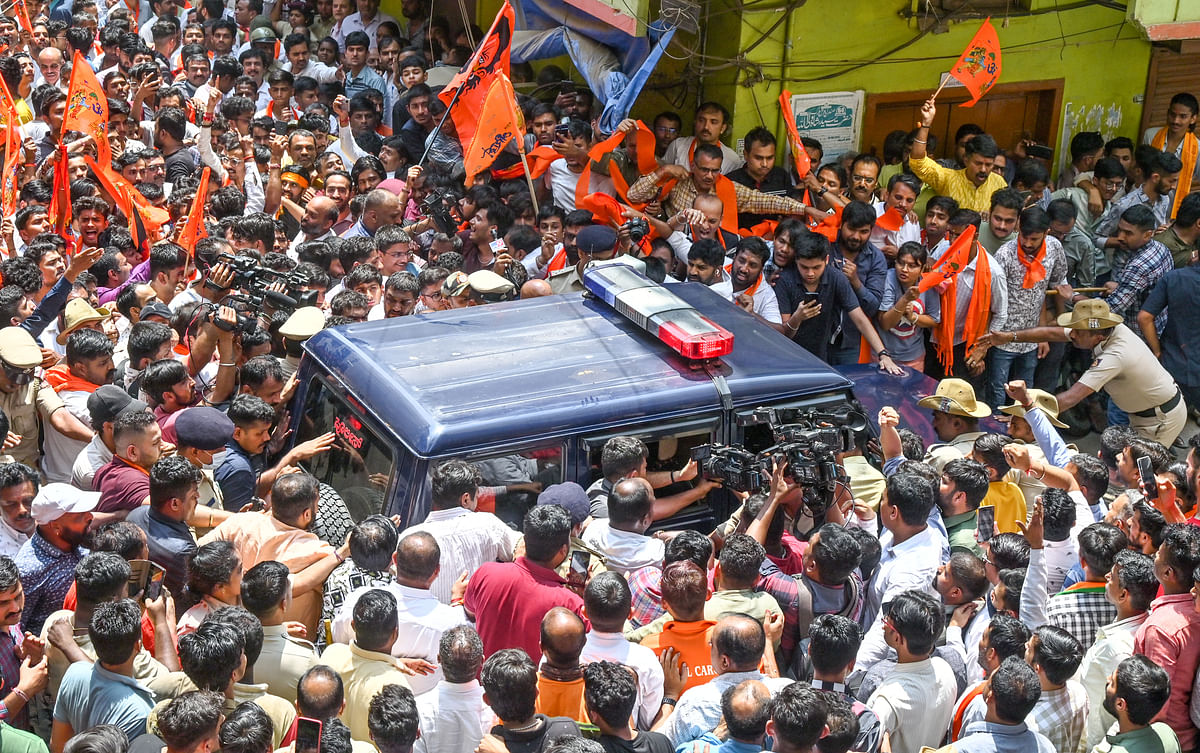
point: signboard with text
(833, 118)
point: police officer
(24, 396)
(200, 433)
(956, 415)
(1124, 367)
(304, 322)
(595, 243)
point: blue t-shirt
(905, 341)
(91, 695)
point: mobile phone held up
(145, 580)
(308, 735)
(1146, 474)
(986, 522)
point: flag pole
(438, 130)
(528, 177)
(945, 78)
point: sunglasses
(19, 377)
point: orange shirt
(690, 639)
(559, 698)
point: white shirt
(423, 619)
(699, 708)
(90, 459)
(679, 152)
(59, 450)
(626, 551)
(453, 718)
(909, 231)
(766, 305)
(915, 702)
(11, 539)
(563, 183)
(1114, 643)
(614, 647)
(909, 566)
(467, 540)
(315, 70)
(353, 22)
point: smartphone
(155, 583)
(145, 579)
(308, 735)
(1146, 472)
(1040, 151)
(563, 129)
(986, 522)
(812, 296)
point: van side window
(354, 473)
(511, 482)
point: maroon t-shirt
(122, 486)
(509, 600)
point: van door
(362, 472)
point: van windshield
(357, 469)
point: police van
(530, 390)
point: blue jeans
(1004, 367)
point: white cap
(57, 500)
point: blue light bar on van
(657, 310)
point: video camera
(809, 442)
(437, 205)
(254, 281)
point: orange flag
(12, 152)
(87, 107)
(800, 158)
(890, 220)
(23, 16)
(466, 92)
(979, 67)
(59, 210)
(955, 260)
(495, 127)
(193, 229)
(129, 200)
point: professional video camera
(438, 205)
(809, 441)
(254, 281)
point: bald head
(738, 642)
(320, 693)
(746, 707)
(630, 505)
(563, 636)
(708, 202)
(325, 208)
(536, 289)
(417, 560)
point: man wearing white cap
(47, 561)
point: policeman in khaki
(956, 415)
(1124, 367)
(24, 397)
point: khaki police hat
(456, 284)
(1091, 314)
(263, 34)
(18, 348)
(956, 397)
(487, 282)
(304, 322)
(78, 313)
(1041, 399)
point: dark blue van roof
(473, 378)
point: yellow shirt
(364, 674)
(956, 184)
(1009, 502)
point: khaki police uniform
(22, 406)
(1126, 369)
(283, 660)
(565, 281)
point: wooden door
(1009, 113)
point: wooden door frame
(953, 96)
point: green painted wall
(1102, 59)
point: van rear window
(357, 468)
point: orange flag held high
(800, 158)
(22, 14)
(473, 82)
(129, 200)
(193, 229)
(87, 107)
(59, 210)
(979, 67)
(12, 152)
(496, 125)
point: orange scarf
(1035, 268)
(947, 270)
(645, 158)
(61, 379)
(750, 291)
(539, 159)
(1187, 155)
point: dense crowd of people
(172, 578)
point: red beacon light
(622, 284)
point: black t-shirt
(146, 743)
(179, 165)
(833, 293)
(777, 183)
(645, 742)
(536, 740)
